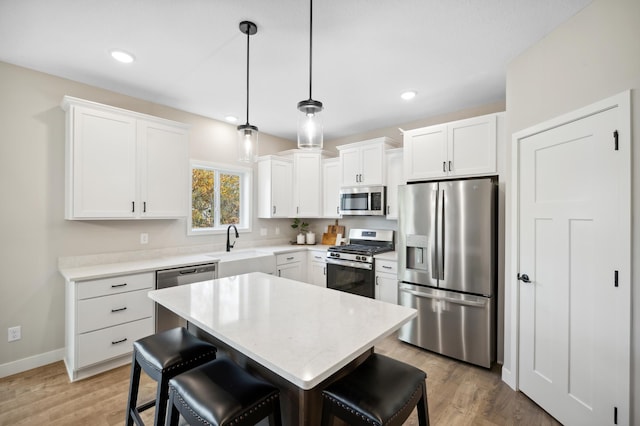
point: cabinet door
(163, 166)
(472, 146)
(387, 288)
(372, 165)
(331, 188)
(425, 153)
(308, 185)
(103, 166)
(292, 271)
(395, 177)
(318, 274)
(350, 166)
(281, 185)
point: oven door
(351, 277)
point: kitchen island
(298, 336)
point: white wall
(33, 232)
(594, 55)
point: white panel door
(572, 316)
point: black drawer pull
(386, 267)
(119, 341)
(290, 258)
(119, 309)
(118, 285)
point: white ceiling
(192, 56)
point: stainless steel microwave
(363, 201)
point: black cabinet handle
(119, 309)
(119, 341)
(444, 166)
(133, 207)
(118, 285)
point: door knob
(524, 278)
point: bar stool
(380, 391)
(163, 356)
(221, 393)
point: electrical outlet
(144, 238)
(15, 333)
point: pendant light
(247, 134)
(310, 120)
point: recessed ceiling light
(409, 95)
(231, 118)
(122, 56)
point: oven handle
(357, 265)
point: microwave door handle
(433, 242)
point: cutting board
(329, 239)
(335, 229)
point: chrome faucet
(229, 245)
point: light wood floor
(458, 394)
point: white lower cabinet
(103, 319)
(387, 281)
(291, 265)
(317, 268)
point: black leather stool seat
(380, 391)
(222, 393)
(163, 356)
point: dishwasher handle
(473, 303)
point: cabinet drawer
(387, 266)
(317, 256)
(111, 342)
(283, 259)
(101, 312)
(113, 285)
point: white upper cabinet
(307, 184)
(275, 185)
(457, 149)
(123, 165)
(331, 188)
(363, 163)
(395, 177)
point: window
(220, 196)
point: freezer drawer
(453, 324)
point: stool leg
(423, 408)
(327, 414)
(173, 414)
(161, 401)
(275, 418)
(134, 384)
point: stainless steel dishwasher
(165, 319)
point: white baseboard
(509, 378)
(31, 362)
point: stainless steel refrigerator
(447, 247)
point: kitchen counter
(252, 316)
(390, 255)
(104, 270)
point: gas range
(364, 244)
(351, 268)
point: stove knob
(357, 257)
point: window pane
(202, 185)
(229, 199)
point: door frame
(622, 101)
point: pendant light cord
(310, 44)
(248, 35)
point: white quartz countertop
(104, 270)
(302, 332)
(390, 255)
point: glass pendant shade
(310, 125)
(247, 143)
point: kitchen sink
(243, 261)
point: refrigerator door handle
(440, 235)
(445, 299)
(434, 244)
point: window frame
(246, 197)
